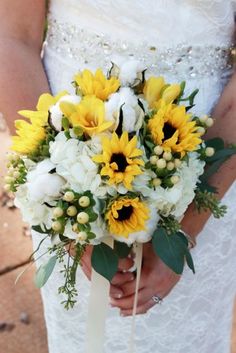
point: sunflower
(156, 88)
(171, 127)
(89, 114)
(96, 84)
(119, 159)
(126, 216)
(30, 135)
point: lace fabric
(196, 316)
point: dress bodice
(183, 40)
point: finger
(127, 303)
(125, 264)
(121, 278)
(115, 292)
(86, 270)
(141, 309)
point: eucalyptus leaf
(104, 261)
(170, 248)
(122, 249)
(44, 272)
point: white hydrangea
(56, 113)
(174, 201)
(132, 113)
(144, 235)
(73, 160)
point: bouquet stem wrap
(97, 313)
(138, 247)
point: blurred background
(22, 327)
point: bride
(182, 40)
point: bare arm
(22, 77)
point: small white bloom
(129, 69)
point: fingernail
(118, 295)
(122, 314)
(132, 278)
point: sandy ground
(22, 327)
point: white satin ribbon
(97, 312)
(98, 305)
(138, 262)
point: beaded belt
(89, 48)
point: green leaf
(170, 248)
(217, 143)
(221, 155)
(189, 260)
(65, 123)
(105, 261)
(122, 249)
(92, 216)
(39, 229)
(91, 235)
(44, 272)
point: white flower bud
(7, 187)
(69, 196)
(174, 179)
(82, 217)
(82, 236)
(158, 150)
(203, 118)
(170, 166)
(156, 182)
(8, 179)
(209, 151)
(177, 162)
(209, 122)
(56, 226)
(153, 159)
(161, 163)
(57, 212)
(84, 201)
(75, 228)
(167, 156)
(16, 174)
(201, 130)
(71, 211)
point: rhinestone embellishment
(89, 48)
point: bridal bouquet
(120, 159)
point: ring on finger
(157, 299)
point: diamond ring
(157, 299)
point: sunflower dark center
(125, 213)
(120, 160)
(168, 131)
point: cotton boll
(45, 187)
(56, 113)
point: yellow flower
(171, 127)
(30, 135)
(45, 101)
(119, 160)
(89, 114)
(127, 216)
(155, 88)
(96, 84)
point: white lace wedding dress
(183, 40)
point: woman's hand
(156, 279)
(121, 278)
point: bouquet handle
(97, 313)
